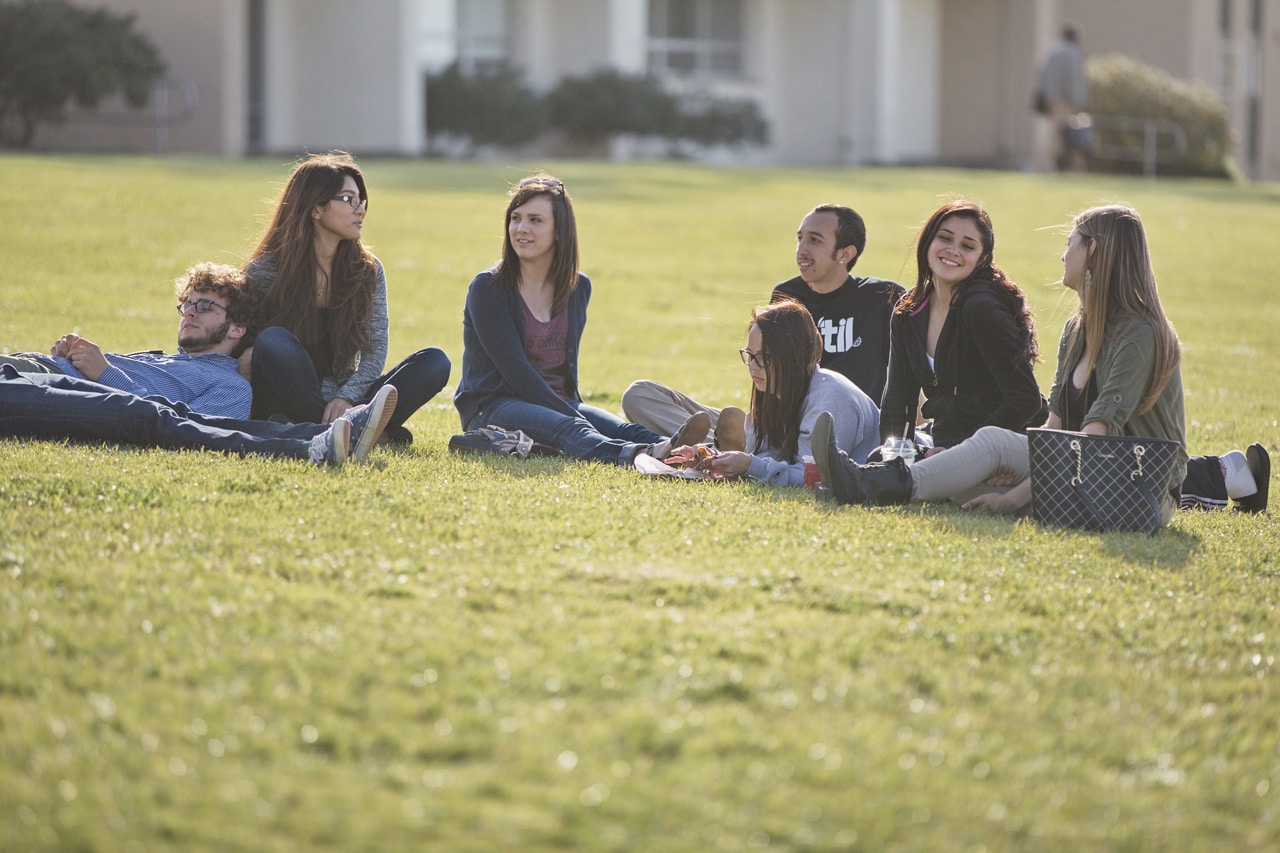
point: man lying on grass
(50, 406)
(216, 312)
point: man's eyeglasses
(201, 306)
(753, 359)
(355, 201)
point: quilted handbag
(1099, 482)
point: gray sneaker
(692, 431)
(333, 446)
(368, 421)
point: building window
(696, 38)
(482, 34)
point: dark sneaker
(368, 421)
(333, 446)
(731, 429)
(826, 455)
(1260, 467)
(492, 439)
(397, 435)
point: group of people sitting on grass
(285, 357)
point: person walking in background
(216, 310)
(851, 314)
(521, 330)
(325, 336)
(1061, 95)
(789, 390)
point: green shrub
(597, 106)
(490, 107)
(496, 107)
(722, 121)
(1120, 86)
(53, 54)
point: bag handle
(1137, 475)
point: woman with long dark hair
(964, 336)
(325, 336)
(521, 330)
(788, 392)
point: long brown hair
(986, 270)
(290, 241)
(791, 350)
(564, 258)
(1119, 278)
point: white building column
(535, 41)
(411, 114)
(909, 54)
(628, 32)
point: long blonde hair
(1119, 278)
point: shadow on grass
(1170, 547)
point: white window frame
(704, 48)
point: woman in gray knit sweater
(324, 297)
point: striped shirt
(210, 383)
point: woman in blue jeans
(521, 329)
(324, 294)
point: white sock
(1235, 469)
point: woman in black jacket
(963, 335)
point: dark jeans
(285, 381)
(46, 406)
(595, 435)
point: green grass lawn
(435, 652)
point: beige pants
(960, 472)
(662, 409)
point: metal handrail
(1163, 140)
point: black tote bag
(1099, 482)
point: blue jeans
(595, 435)
(46, 406)
(285, 380)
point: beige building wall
(990, 54)
(204, 47)
(343, 75)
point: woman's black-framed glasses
(201, 306)
(355, 201)
(754, 359)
